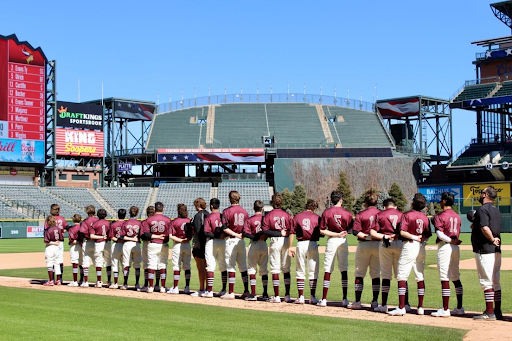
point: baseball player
(306, 225)
(415, 228)
(150, 211)
(233, 221)
(52, 236)
(117, 244)
(335, 224)
(199, 244)
(447, 226)
(157, 231)
(75, 248)
(276, 225)
(62, 225)
(367, 253)
(389, 250)
(215, 248)
(181, 251)
(257, 255)
(88, 245)
(486, 239)
(98, 232)
(130, 234)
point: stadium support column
(48, 174)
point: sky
(146, 50)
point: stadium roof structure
(493, 41)
(503, 11)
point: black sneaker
(485, 316)
(498, 314)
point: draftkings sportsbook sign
(79, 115)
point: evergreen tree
(287, 199)
(383, 195)
(298, 199)
(344, 188)
(359, 205)
(396, 193)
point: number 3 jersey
(416, 223)
(157, 225)
(447, 222)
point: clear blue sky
(142, 48)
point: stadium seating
(475, 92)
(79, 197)
(359, 129)
(506, 158)
(124, 197)
(240, 123)
(172, 194)
(8, 212)
(505, 90)
(249, 193)
(471, 156)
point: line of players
(388, 241)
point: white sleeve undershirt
(443, 236)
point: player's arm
(291, 238)
(357, 230)
(246, 232)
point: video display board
(79, 115)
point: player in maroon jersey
(215, 248)
(99, 233)
(306, 225)
(276, 225)
(335, 224)
(88, 245)
(233, 221)
(157, 231)
(389, 250)
(181, 251)
(258, 250)
(415, 228)
(75, 248)
(115, 232)
(150, 211)
(447, 226)
(62, 225)
(130, 234)
(367, 253)
(52, 236)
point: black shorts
(198, 253)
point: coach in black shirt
(485, 239)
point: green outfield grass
(34, 314)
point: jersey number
(337, 219)
(279, 222)
(393, 219)
(453, 225)
(157, 226)
(239, 219)
(419, 226)
(257, 224)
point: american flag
(134, 111)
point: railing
(28, 209)
(133, 151)
(487, 80)
(265, 98)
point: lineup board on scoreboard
(22, 102)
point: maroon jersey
(86, 224)
(416, 223)
(336, 219)
(52, 234)
(212, 222)
(131, 228)
(306, 225)
(74, 234)
(365, 220)
(178, 227)
(100, 228)
(115, 230)
(61, 224)
(234, 218)
(253, 224)
(277, 220)
(157, 225)
(387, 221)
(447, 222)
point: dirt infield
(479, 330)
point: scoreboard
(22, 102)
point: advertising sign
(79, 115)
(35, 231)
(215, 155)
(433, 193)
(79, 142)
(124, 167)
(472, 193)
(22, 99)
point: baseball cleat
(407, 308)
(313, 300)
(84, 285)
(137, 287)
(48, 284)
(345, 303)
(72, 284)
(58, 282)
(144, 289)
(157, 288)
(299, 300)
(485, 317)
(207, 294)
(197, 293)
(381, 309)
(174, 290)
(113, 286)
(458, 312)
(397, 312)
(98, 285)
(420, 311)
(287, 299)
(355, 305)
(124, 287)
(186, 291)
(322, 303)
(275, 299)
(228, 296)
(246, 294)
(265, 297)
(441, 313)
(162, 290)
(220, 293)
(374, 304)
(251, 298)
(498, 314)
(150, 289)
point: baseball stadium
(287, 215)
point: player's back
(158, 224)
(253, 224)
(336, 219)
(86, 224)
(416, 223)
(131, 228)
(365, 219)
(116, 229)
(234, 217)
(449, 223)
(178, 227)
(212, 223)
(277, 220)
(306, 225)
(388, 220)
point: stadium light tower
(503, 11)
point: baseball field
(31, 311)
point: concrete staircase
(102, 202)
(153, 194)
(324, 123)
